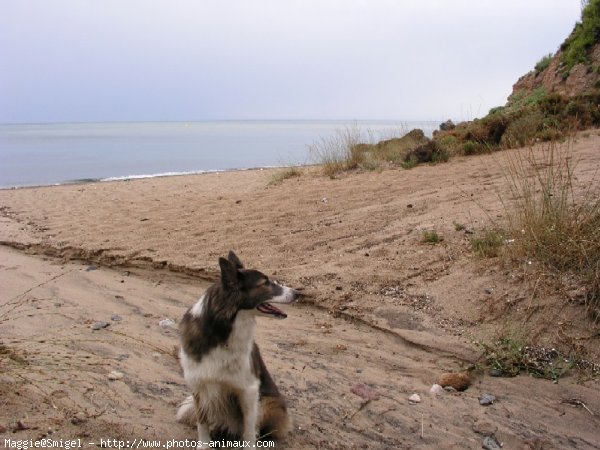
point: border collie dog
(233, 394)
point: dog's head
(254, 289)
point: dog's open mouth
(267, 308)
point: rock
(167, 323)
(91, 267)
(415, 398)
(79, 418)
(3, 429)
(490, 443)
(484, 428)
(364, 391)
(100, 325)
(496, 373)
(459, 381)
(116, 318)
(115, 375)
(20, 426)
(436, 389)
(486, 399)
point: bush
(543, 64)
(470, 148)
(431, 237)
(488, 245)
(585, 35)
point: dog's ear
(232, 257)
(229, 274)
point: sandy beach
(380, 307)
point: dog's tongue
(267, 308)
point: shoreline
(126, 178)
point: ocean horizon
(64, 153)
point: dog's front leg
(203, 435)
(201, 424)
(249, 405)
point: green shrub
(576, 48)
(543, 64)
(470, 148)
(431, 237)
(410, 163)
(488, 245)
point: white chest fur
(228, 363)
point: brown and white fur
(233, 394)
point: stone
(115, 375)
(486, 399)
(167, 323)
(415, 398)
(457, 380)
(100, 325)
(436, 389)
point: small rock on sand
(486, 399)
(115, 375)
(490, 443)
(457, 380)
(167, 323)
(100, 325)
(436, 389)
(415, 398)
(364, 391)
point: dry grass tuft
(284, 174)
(553, 220)
(338, 153)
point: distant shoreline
(126, 178)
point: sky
(185, 60)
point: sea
(62, 153)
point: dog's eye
(265, 281)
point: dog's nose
(296, 294)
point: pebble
(115, 375)
(79, 418)
(459, 381)
(486, 399)
(100, 325)
(484, 428)
(436, 389)
(496, 373)
(91, 267)
(167, 323)
(490, 443)
(415, 398)
(116, 318)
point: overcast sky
(138, 60)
